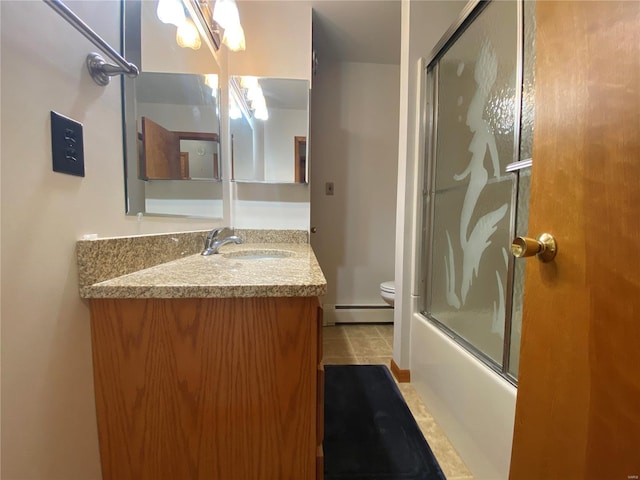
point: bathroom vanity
(210, 367)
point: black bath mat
(370, 433)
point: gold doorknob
(544, 247)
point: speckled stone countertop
(294, 273)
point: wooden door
(578, 405)
(161, 152)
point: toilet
(388, 292)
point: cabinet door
(320, 399)
(206, 389)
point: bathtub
(474, 406)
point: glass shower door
(475, 92)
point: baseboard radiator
(334, 314)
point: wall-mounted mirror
(177, 124)
(171, 120)
(269, 124)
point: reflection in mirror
(269, 123)
(167, 102)
(171, 121)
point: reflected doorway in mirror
(300, 159)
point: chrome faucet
(217, 238)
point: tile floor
(372, 344)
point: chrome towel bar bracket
(99, 69)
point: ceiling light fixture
(247, 93)
(171, 11)
(211, 80)
(187, 35)
(234, 38)
(226, 15)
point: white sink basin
(258, 254)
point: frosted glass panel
(469, 284)
(474, 141)
(476, 99)
(522, 222)
(524, 179)
(528, 81)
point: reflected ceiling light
(211, 80)
(248, 81)
(261, 113)
(171, 11)
(225, 13)
(187, 35)
(234, 110)
(234, 38)
(253, 95)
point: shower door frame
(430, 126)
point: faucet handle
(217, 233)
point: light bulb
(211, 80)
(170, 11)
(248, 81)
(225, 13)
(254, 93)
(261, 113)
(187, 35)
(234, 38)
(234, 111)
(258, 103)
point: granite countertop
(222, 275)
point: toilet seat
(388, 292)
(389, 287)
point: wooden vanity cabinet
(209, 388)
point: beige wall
(48, 419)
(278, 35)
(354, 144)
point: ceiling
(366, 31)
(285, 93)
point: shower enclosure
(477, 129)
(479, 90)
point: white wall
(48, 413)
(182, 118)
(243, 157)
(271, 206)
(279, 147)
(354, 144)
(178, 197)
